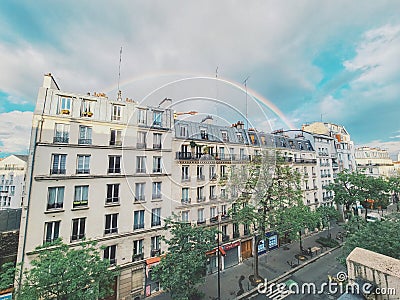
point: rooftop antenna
(245, 86)
(119, 74)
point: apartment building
(12, 181)
(99, 169)
(374, 162)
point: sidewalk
(271, 265)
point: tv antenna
(245, 86)
(119, 74)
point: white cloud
(15, 129)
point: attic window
(87, 108)
(64, 105)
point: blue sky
(335, 60)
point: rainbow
(257, 97)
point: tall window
(185, 195)
(78, 229)
(64, 105)
(111, 225)
(112, 193)
(213, 212)
(140, 164)
(156, 194)
(200, 173)
(223, 171)
(85, 135)
(110, 254)
(141, 140)
(114, 164)
(52, 231)
(138, 247)
(58, 164)
(213, 174)
(185, 173)
(222, 152)
(157, 164)
(83, 164)
(212, 192)
(116, 113)
(184, 131)
(200, 194)
(55, 197)
(142, 116)
(157, 118)
(87, 108)
(200, 215)
(139, 192)
(138, 219)
(157, 140)
(61, 133)
(185, 216)
(156, 217)
(81, 195)
(116, 137)
(155, 245)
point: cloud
(15, 129)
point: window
(58, 164)
(87, 108)
(142, 116)
(139, 193)
(185, 173)
(61, 133)
(157, 118)
(55, 197)
(85, 135)
(114, 164)
(156, 190)
(213, 175)
(212, 192)
(223, 171)
(222, 152)
(185, 195)
(12, 190)
(116, 137)
(157, 164)
(138, 247)
(111, 224)
(156, 217)
(157, 140)
(224, 136)
(110, 254)
(155, 245)
(183, 131)
(81, 195)
(138, 219)
(223, 193)
(224, 230)
(116, 113)
(223, 210)
(239, 137)
(185, 216)
(203, 134)
(140, 164)
(200, 194)
(200, 174)
(200, 215)
(52, 231)
(213, 212)
(112, 193)
(141, 140)
(64, 105)
(78, 229)
(83, 163)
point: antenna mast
(119, 74)
(245, 86)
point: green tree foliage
(327, 214)
(381, 237)
(394, 187)
(7, 273)
(183, 267)
(61, 272)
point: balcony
(137, 257)
(114, 171)
(186, 200)
(185, 179)
(57, 171)
(115, 143)
(157, 146)
(61, 139)
(140, 145)
(201, 199)
(214, 219)
(213, 176)
(201, 222)
(225, 237)
(84, 141)
(201, 177)
(213, 197)
(224, 216)
(77, 237)
(236, 235)
(82, 171)
(204, 156)
(155, 252)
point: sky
(335, 61)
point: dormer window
(87, 108)
(224, 136)
(157, 118)
(116, 113)
(203, 134)
(64, 105)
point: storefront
(232, 252)
(247, 248)
(272, 240)
(212, 262)
(152, 285)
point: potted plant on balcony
(65, 111)
(89, 114)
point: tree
(327, 214)
(381, 237)
(394, 187)
(7, 273)
(267, 185)
(61, 272)
(183, 267)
